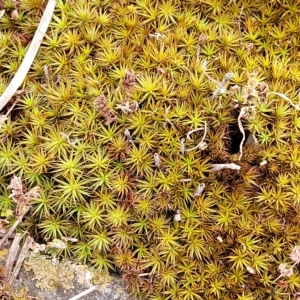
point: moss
(3, 253)
(132, 105)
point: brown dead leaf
(20, 197)
(2, 225)
(24, 38)
(24, 200)
(16, 4)
(283, 284)
(16, 187)
(14, 15)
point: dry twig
(13, 251)
(30, 55)
(91, 289)
(23, 253)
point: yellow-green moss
(117, 82)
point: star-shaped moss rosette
(164, 168)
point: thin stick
(30, 55)
(192, 131)
(10, 231)
(13, 251)
(242, 112)
(12, 236)
(201, 142)
(198, 53)
(4, 239)
(240, 124)
(21, 258)
(8, 112)
(239, 23)
(218, 167)
(11, 108)
(296, 106)
(91, 289)
(218, 91)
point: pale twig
(251, 139)
(11, 108)
(218, 167)
(192, 131)
(13, 251)
(177, 216)
(144, 274)
(242, 113)
(296, 106)
(199, 189)
(23, 253)
(30, 55)
(185, 180)
(127, 134)
(198, 53)
(264, 162)
(168, 120)
(64, 135)
(250, 270)
(219, 238)
(157, 35)
(91, 289)
(4, 117)
(182, 145)
(239, 22)
(2, 12)
(157, 160)
(46, 71)
(201, 145)
(204, 67)
(221, 87)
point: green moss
(103, 128)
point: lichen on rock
(51, 273)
